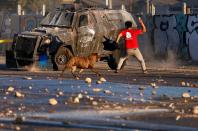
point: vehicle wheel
(112, 63)
(61, 57)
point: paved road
(128, 100)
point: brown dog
(82, 63)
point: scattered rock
(76, 100)
(102, 79)
(18, 94)
(53, 101)
(154, 93)
(187, 84)
(98, 82)
(5, 98)
(183, 83)
(80, 96)
(95, 103)
(30, 87)
(77, 78)
(18, 128)
(153, 85)
(10, 89)
(141, 88)
(46, 90)
(178, 117)
(195, 110)
(130, 99)
(171, 105)
(97, 89)
(107, 92)
(60, 93)
(186, 95)
(88, 80)
(91, 98)
(28, 78)
(2, 125)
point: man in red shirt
(130, 36)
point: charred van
(63, 34)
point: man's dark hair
(128, 24)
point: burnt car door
(85, 34)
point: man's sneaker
(145, 71)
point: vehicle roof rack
(91, 8)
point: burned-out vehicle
(63, 34)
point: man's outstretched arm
(118, 38)
(142, 24)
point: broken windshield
(59, 19)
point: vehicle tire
(61, 57)
(112, 63)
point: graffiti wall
(11, 24)
(177, 34)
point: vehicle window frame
(78, 23)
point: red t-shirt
(130, 36)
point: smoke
(170, 61)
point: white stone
(154, 92)
(28, 78)
(98, 82)
(186, 95)
(60, 93)
(18, 94)
(107, 92)
(10, 89)
(195, 110)
(88, 80)
(76, 100)
(80, 96)
(53, 101)
(183, 83)
(178, 117)
(30, 87)
(153, 85)
(97, 89)
(95, 103)
(102, 79)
